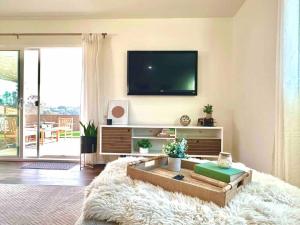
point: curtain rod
(46, 34)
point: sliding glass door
(9, 103)
(52, 83)
(46, 123)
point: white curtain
(287, 133)
(91, 82)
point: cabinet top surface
(163, 126)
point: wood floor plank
(12, 173)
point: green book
(213, 171)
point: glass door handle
(20, 103)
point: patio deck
(63, 148)
(68, 148)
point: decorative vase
(224, 160)
(174, 164)
(144, 150)
(185, 120)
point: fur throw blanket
(113, 196)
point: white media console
(122, 139)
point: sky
(9, 86)
(6, 85)
(61, 72)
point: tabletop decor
(224, 160)
(176, 151)
(207, 121)
(185, 120)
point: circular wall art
(118, 112)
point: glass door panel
(60, 84)
(9, 99)
(31, 109)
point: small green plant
(144, 143)
(90, 130)
(172, 130)
(208, 109)
(176, 148)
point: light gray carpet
(39, 205)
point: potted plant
(208, 109)
(176, 151)
(144, 145)
(89, 139)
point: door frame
(38, 143)
(38, 106)
(20, 150)
(20, 120)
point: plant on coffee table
(176, 151)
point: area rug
(39, 205)
(113, 196)
(49, 165)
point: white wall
(211, 37)
(254, 56)
(236, 70)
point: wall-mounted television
(162, 72)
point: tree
(6, 98)
(14, 99)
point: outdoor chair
(66, 125)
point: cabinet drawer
(116, 140)
(204, 146)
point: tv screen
(162, 72)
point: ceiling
(13, 9)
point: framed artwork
(118, 112)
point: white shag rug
(113, 196)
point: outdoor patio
(59, 136)
(63, 148)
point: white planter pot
(208, 115)
(144, 150)
(174, 164)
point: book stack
(213, 174)
(166, 132)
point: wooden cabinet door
(116, 140)
(204, 146)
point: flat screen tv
(162, 72)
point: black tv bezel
(184, 93)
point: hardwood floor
(12, 173)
